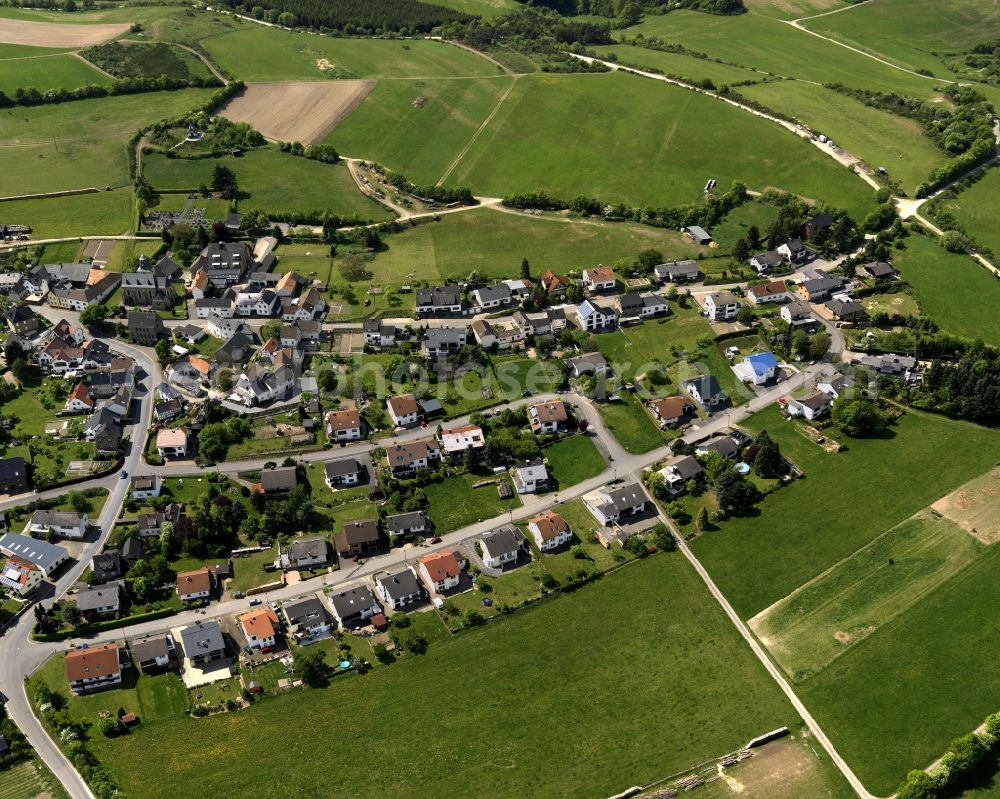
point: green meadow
(975, 209)
(282, 55)
(685, 66)
(272, 181)
(418, 127)
(101, 213)
(638, 667)
(877, 137)
(53, 71)
(624, 138)
(80, 144)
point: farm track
(478, 133)
(94, 66)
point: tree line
(32, 96)
(361, 17)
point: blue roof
(762, 362)
(585, 309)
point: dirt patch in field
(303, 111)
(975, 507)
(847, 638)
(57, 34)
(324, 65)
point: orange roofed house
(548, 417)
(260, 628)
(441, 571)
(197, 584)
(94, 668)
(343, 425)
(670, 411)
(550, 530)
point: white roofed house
(530, 477)
(457, 440)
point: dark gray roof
(706, 386)
(446, 335)
(157, 646)
(342, 467)
(202, 638)
(12, 469)
(308, 548)
(353, 601)
(99, 597)
(685, 466)
(879, 269)
(309, 612)
(283, 478)
(400, 585)
(439, 295)
(626, 496)
(41, 553)
(404, 521)
(505, 540)
(500, 291)
(107, 566)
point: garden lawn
(125, 256)
(657, 342)
(284, 55)
(573, 460)
(900, 303)
(330, 520)
(515, 587)
(494, 243)
(593, 134)
(53, 71)
(80, 144)
(420, 140)
(617, 667)
(877, 137)
(953, 290)
(685, 67)
(564, 564)
(734, 225)
(454, 503)
(271, 181)
(104, 213)
(30, 780)
(516, 375)
(914, 35)
(845, 500)
(248, 571)
(630, 424)
(975, 209)
(768, 44)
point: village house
(721, 306)
(149, 524)
(439, 341)
(842, 308)
(892, 365)
(155, 653)
(145, 487)
(107, 566)
(64, 524)
(763, 293)
(260, 628)
(652, 305)
(13, 475)
(599, 279)
(706, 391)
(100, 602)
(305, 553)
(879, 270)
(678, 471)
(812, 406)
(677, 272)
(307, 618)
(530, 477)
(794, 251)
(456, 441)
(172, 442)
(439, 301)
(354, 606)
(798, 314)
(195, 585)
(343, 425)
(502, 547)
(94, 667)
(548, 417)
(670, 411)
(79, 400)
(202, 642)
(21, 320)
(358, 537)
(610, 505)
(399, 590)
(20, 577)
(819, 289)
(278, 482)
(490, 297)
(379, 335)
(224, 263)
(405, 458)
(592, 363)
(45, 556)
(403, 410)
(757, 368)
(145, 328)
(767, 262)
(597, 315)
(835, 385)
(726, 446)
(343, 473)
(165, 410)
(550, 531)
(504, 334)
(441, 571)
(554, 285)
(413, 523)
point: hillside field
(418, 127)
(646, 674)
(282, 55)
(624, 138)
(685, 66)
(80, 144)
(975, 208)
(879, 138)
(270, 180)
(52, 71)
(103, 212)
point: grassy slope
(975, 209)
(768, 44)
(695, 69)
(60, 71)
(445, 721)
(419, 142)
(909, 33)
(280, 55)
(275, 181)
(103, 213)
(793, 9)
(574, 460)
(90, 138)
(623, 138)
(494, 243)
(953, 290)
(845, 501)
(879, 138)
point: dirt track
(302, 111)
(56, 34)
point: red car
(435, 540)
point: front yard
(454, 503)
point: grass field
(953, 290)
(899, 303)
(877, 137)
(270, 180)
(735, 224)
(693, 69)
(573, 460)
(105, 212)
(418, 140)
(600, 133)
(515, 375)
(629, 422)
(793, 9)
(483, 8)
(30, 780)
(754, 40)
(974, 209)
(58, 71)
(807, 630)
(282, 55)
(974, 507)
(838, 508)
(454, 503)
(617, 667)
(80, 144)
(914, 34)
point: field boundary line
(475, 136)
(93, 66)
(835, 11)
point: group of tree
(216, 438)
(858, 416)
(968, 387)
(735, 494)
(27, 96)
(224, 182)
(326, 153)
(353, 17)
(461, 194)
(970, 756)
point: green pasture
(270, 180)
(487, 9)
(102, 213)
(30, 780)
(879, 138)
(58, 71)
(82, 143)
(975, 209)
(284, 55)
(418, 127)
(624, 138)
(617, 666)
(679, 65)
